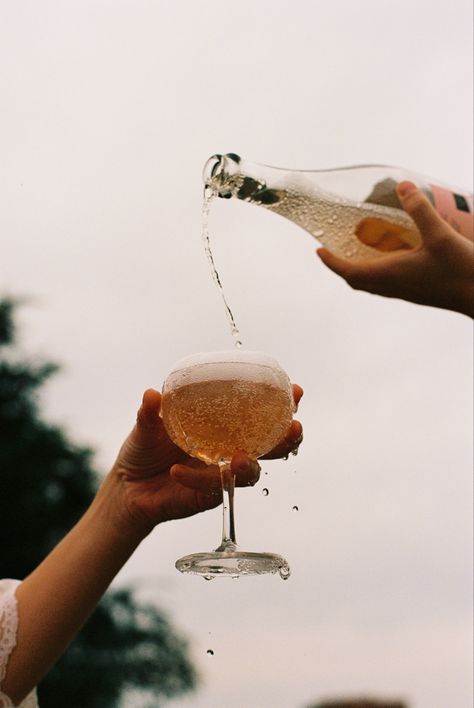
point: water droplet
(294, 508)
(265, 492)
(285, 572)
(294, 452)
(210, 652)
(285, 457)
(208, 577)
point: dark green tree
(46, 483)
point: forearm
(56, 599)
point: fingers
(149, 412)
(340, 266)
(247, 471)
(207, 480)
(363, 275)
(418, 206)
(294, 436)
(297, 394)
(289, 444)
(378, 276)
(149, 427)
(355, 273)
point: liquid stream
(209, 196)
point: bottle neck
(230, 176)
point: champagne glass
(214, 404)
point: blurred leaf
(6, 321)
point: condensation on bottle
(353, 211)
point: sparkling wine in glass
(217, 403)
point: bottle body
(354, 211)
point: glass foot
(233, 564)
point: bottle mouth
(210, 169)
(217, 172)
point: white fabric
(8, 632)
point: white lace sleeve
(8, 632)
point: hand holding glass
(215, 404)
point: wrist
(110, 507)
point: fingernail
(406, 188)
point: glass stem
(228, 523)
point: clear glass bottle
(353, 211)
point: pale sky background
(108, 111)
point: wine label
(456, 208)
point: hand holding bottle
(439, 272)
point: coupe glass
(214, 404)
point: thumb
(148, 417)
(423, 213)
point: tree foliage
(46, 483)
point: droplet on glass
(265, 492)
(294, 508)
(210, 652)
(208, 577)
(285, 572)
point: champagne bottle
(353, 211)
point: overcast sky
(108, 111)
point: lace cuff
(8, 632)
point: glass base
(233, 564)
